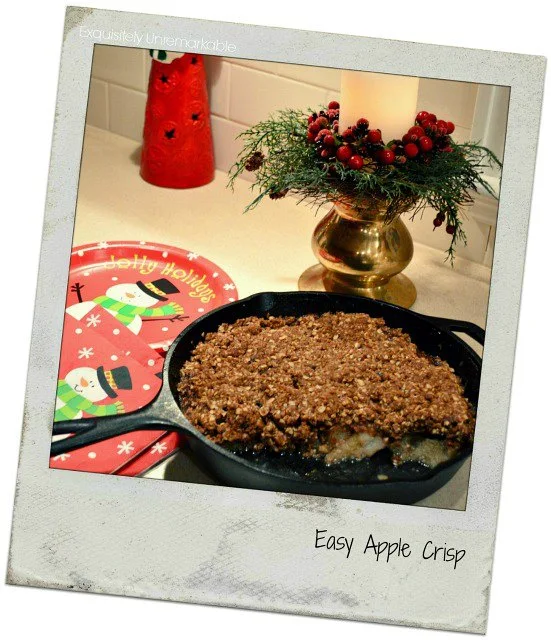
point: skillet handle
(92, 430)
(461, 326)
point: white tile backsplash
(448, 100)
(218, 83)
(462, 134)
(422, 230)
(226, 144)
(124, 66)
(243, 92)
(317, 76)
(98, 105)
(255, 95)
(126, 112)
(261, 65)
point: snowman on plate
(84, 387)
(131, 302)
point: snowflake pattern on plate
(62, 457)
(159, 448)
(93, 320)
(125, 447)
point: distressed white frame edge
(60, 536)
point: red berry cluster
(351, 147)
(322, 131)
(358, 144)
(439, 220)
(428, 133)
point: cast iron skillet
(369, 479)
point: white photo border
(245, 548)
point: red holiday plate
(130, 454)
(159, 450)
(103, 371)
(152, 290)
(97, 378)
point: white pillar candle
(388, 102)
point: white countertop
(264, 250)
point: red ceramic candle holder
(177, 147)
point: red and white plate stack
(126, 302)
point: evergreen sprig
(286, 162)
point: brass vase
(362, 251)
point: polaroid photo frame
(292, 553)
